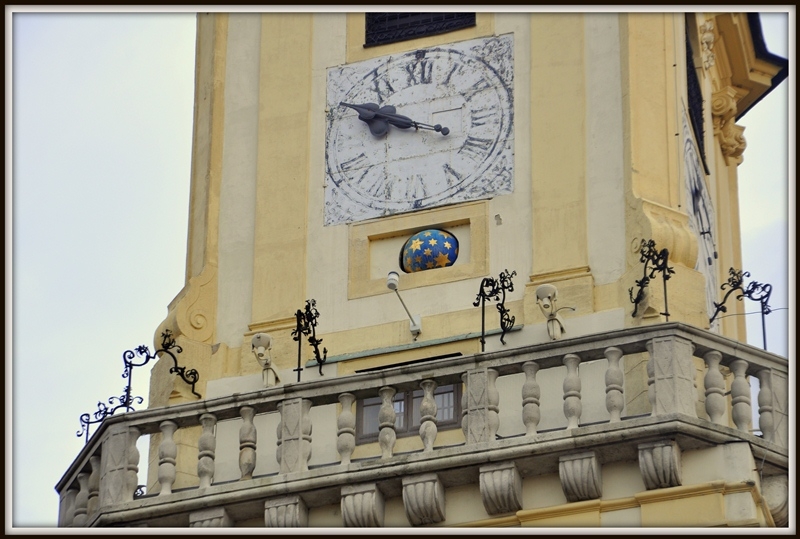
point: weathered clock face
(701, 217)
(466, 87)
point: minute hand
(370, 113)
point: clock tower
(366, 191)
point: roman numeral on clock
(360, 161)
(420, 72)
(475, 147)
(380, 85)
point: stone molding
(501, 488)
(660, 464)
(580, 476)
(723, 110)
(286, 512)
(363, 506)
(423, 499)
(215, 517)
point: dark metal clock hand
(378, 117)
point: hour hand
(378, 119)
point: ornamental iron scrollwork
(755, 291)
(655, 261)
(306, 326)
(495, 290)
(125, 402)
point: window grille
(382, 28)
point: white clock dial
(465, 87)
(701, 217)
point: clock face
(701, 217)
(466, 87)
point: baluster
(206, 449)
(278, 432)
(614, 384)
(346, 424)
(766, 421)
(132, 470)
(305, 423)
(740, 396)
(67, 508)
(81, 500)
(531, 393)
(651, 378)
(386, 418)
(572, 391)
(247, 443)
(167, 453)
(428, 409)
(715, 388)
(94, 485)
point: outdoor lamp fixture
(261, 344)
(416, 322)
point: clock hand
(369, 112)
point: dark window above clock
(382, 28)
(695, 95)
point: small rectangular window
(382, 28)
(407, 410)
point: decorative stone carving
(671, 373)
(531, 393)
(386, 419)
(248, 438)
(260, 345)
(715, 388)
(723, 110)
(707, 39)
(192, 315)
(115, 465)
(615, 401)
(660, 464)
(572, 391)
(546, 299)
(480, 409)
(206, 448)
(286, 512)
(362, 506)
(775, 489)
(81, 501)
(501, 488)
(740, 396)
(294, 435)
(216, 517)
(167, 453)
(580, 477)
(94, 485)
(346, 424)
(427, 427)
(423, 499)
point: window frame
(416, 25)
(409, 428)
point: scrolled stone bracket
(580, 476)
(286, 512)
(423, 499)
(363, 506)
(660, 464)
(501, 488)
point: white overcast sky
(97, 192)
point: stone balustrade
(98, 488)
